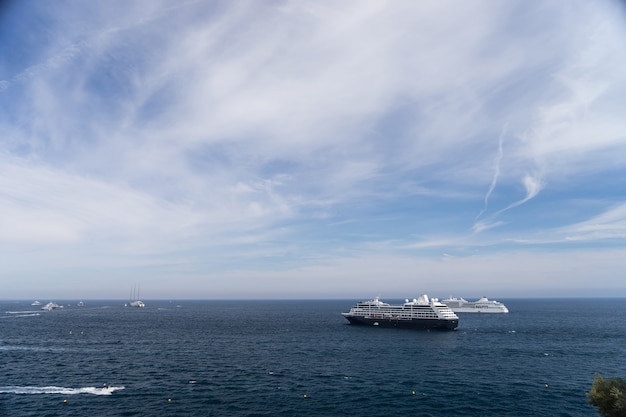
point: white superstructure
(51, 306)
(483, 305)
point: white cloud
(583, 117)
(548, 274)
(533, 185)
(232, 130)
(47, 206)
(608, 225)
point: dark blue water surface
(301, 358)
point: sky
(312, 149)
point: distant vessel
(51, 306)
(134, 298)
(35, 303)
(417, 314)
(136, 303)
(483, 305)
(81, 304)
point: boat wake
(22, 312)
(13, 314)
(59, 390)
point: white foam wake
(13, 314)
(22, 311)
(59, 390)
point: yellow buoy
(64, 400)
(412, 392)
(169, 400)
(546, 385)
(304, 396)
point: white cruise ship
(420, 313)
(483, 305)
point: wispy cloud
(533, 185)
(261, 131)
(608, 225)
(496, 171)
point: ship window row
(401, 315)
(404, 316)
(398, 312)
(398, 308)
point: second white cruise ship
(483, 305)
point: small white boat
(134, 298)
(136, 303)
(51, 306)
(81, 304)
(35, 303)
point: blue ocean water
(301, 358)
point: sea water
(302, 358)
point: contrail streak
(496, 172)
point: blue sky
(312, 149)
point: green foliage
(609, 396)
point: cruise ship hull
(424, 324)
